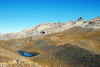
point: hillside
(76, 46)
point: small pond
(27, 53)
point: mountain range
(47, 28)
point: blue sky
(16, 15)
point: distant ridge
(47, 28)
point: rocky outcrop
(48, 28)
(80, 19)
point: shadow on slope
(69, 55)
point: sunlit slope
(9, 48)
(87, 38)
(7, 54)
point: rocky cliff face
(47, 28)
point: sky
(16, 15)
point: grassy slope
(52, 50)
(82, 37)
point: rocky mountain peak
(59, 22)
(80, 19)
(98, 18)
(48, 28)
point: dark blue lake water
(27, 54)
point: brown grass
(85, 38)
